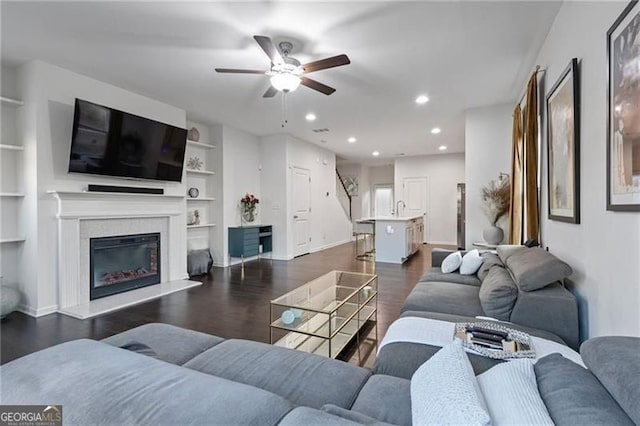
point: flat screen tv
(109, 142)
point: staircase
(343, 195)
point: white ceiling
(462, 54)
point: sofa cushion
(489, 260)
(574, 396)
(302, 378)
(553, 308)
(450, 298)
(311, 416)
(505, 251)
(471, 262)
(498, 294)
(169, 343)
(101, 384)
(436, 275)
(385, 398)
(354, 416)
(615, 361)
(535, 268)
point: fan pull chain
(284, 110)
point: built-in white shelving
(11, 240)
(11, 147)
(11, 102)
(202, 199)
(202, 225)
(12, 168)
(201, 172)
(200, 144)
(207, 184)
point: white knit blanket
(432, 332)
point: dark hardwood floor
(231, 303)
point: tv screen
(109, 142)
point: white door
(416, 195)
(301, 197)
(383, 200)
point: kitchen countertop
(391, 218)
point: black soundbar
(127, 189)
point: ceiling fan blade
(237, 71)
(267, 45)
(323, 64)
(316, 85)
(270, 93)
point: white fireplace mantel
(82, 215)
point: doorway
(301, 201)
(416, 196)
(382, 200)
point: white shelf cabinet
(12, 193)
(206, 181)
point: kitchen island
(396, 237)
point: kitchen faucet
(404, 206)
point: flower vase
(249, 215)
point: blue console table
(244, 241)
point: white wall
(241, 175)
(488, 150)
(330, 226)
(49, 93)
(274, 185)
(444, 172)
(604, 249)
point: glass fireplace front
(123, 263)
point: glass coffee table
(324, 315)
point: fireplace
(123, 263)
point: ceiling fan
(286, 72)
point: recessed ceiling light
(442, 147)
(375, 153)
(310, 117)
(436, 130)
(352, 140)
(422, 99)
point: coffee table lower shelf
(320, 345)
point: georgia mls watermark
(30, 415)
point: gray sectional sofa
(158, 374)
(520, 285)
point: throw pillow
(574, 396)
(471, 262)
(511, 393)
(489, 260)
(498, 294)
(451, 263)
(505, 251)
(535, 268)
(444, 390)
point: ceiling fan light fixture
(285, 82)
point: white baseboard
(32, 312)
(328, 246)
(443, 243)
